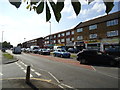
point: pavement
(21, 84)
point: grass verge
(8, 56)
(73, 56)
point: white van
(34, 49)
(16, 50)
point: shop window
(93, 27)
(112, 22)
(112, 33)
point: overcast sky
(21, 23)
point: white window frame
(72, 32)
(80, 30)
(112, 22)
(91, 36)
(79, 37)
(112, 33)
(68, 33)
(62, 40)
(92, 27)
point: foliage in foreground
(39, 5)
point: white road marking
(31, 75)
(32, 70)
(93, 68)
(24, 71)
(60, 86)
(66, 85)
(1, 74)
(54, 77)
(23, 63)
(38, 73)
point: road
(63, 72)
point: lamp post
(2, 40)
(50, 32)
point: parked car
(27, 50)
(113, 51)
(61, 53)
(94, 56)
(73, 50)
(34, 49)
(44, 52)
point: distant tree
(19, 45)
(39, 5)
(6, 45)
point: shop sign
(92, 41)
(111, 41)
(59, 44)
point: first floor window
(112, 33)
(79, 37)
(93, 36)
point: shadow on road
(103, 65)
(32, 86)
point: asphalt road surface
(66, 72)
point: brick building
(99, 33)
(38, 41)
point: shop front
(79, 45)
(93, 44)
(111, 43)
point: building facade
(35, 42)
(99, 33)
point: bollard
(28, 75)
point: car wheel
(82, 61)
(54, 55)
(61, 56)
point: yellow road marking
(45, 80)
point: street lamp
(50, 32)
(2, 39)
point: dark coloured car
(113, 51)
(61, 53)
(44, 52)
(73, 50)
(94, 56)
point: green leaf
(28, 7)
(55, 10)
(77, 6)
(16, 3)
(48, 14)
(34, 2)
(109, 6)
(34, 7)
(59, 5)
(40, 7)
(58, 16)
(89, 1)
